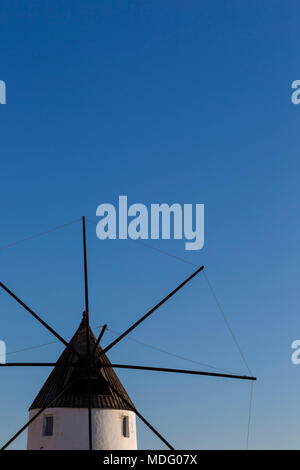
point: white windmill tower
(64, 424)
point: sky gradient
(163, 102)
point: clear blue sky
(165, 101)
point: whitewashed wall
(70, 430)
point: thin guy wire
(227, 323)
(58, 227)
(129, 339)
(172, 354)
(249, 415)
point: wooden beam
(138, 414)
(87, 313)
(37, 317)
(99, 339)
(131, 328)
(58, 395)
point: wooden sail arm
(132, 327)
(99, 339)
(58, 395)
(129, 366)
(142, 418)
(38, 318)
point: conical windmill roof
(77, 395)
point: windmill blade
(88, 346)
(58, 395)
(39, 364)
(99, 339)
(128, 366)
(138, 414)
(150, 311)
(179, 371)
(37, 317)
(29, 364)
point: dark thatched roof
(77, 396)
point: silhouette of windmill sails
(91, 364)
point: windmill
(84, 388)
